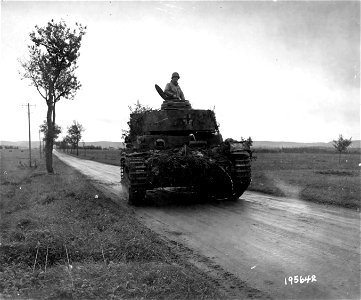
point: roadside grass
(316, 177)
(62, 238)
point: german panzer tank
(179, 150)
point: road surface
(261, 239)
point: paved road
(261, 239)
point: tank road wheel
(137, 181)
(221, 185)
(241, 173)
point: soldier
(173, 90)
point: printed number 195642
(299, 279)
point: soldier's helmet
(175, 74)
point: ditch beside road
(262, 240)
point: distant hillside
(269, 144)
(35, 144)
(105, 144)
(21, 144)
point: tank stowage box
(179, 150)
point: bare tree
(51, 69)
(74, 135)
(341, 145)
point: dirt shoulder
(62, 237)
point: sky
(271, 70)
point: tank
(179, 151)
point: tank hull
(193, 174)
(180, 152)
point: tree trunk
(54, 115)
(49, 140)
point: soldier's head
(175, 77)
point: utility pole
(28, 105)
(39, 144)
(84, 148)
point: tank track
(133, 173)
(240, 173)
(134, 176)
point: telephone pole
(28, 105)
(39, 145)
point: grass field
(317, 177)
(61, 238)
